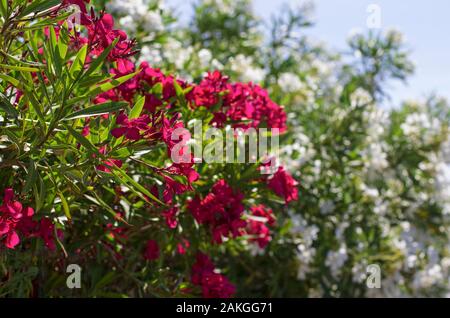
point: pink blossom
(151, 252)
(284, 185)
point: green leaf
(129, 180)
(82, 140)
(40, 192)
(39, 6)
(137, 108)
(7, 106)
(157, 89)
(35, 103)
(31, 177)
(65, 205)
(55, 51)
(92, 80)
(19, 68)
(178, 89)
(98, 201)
(11, 80)
(99, 60)
(112, 83)
(4, 8)
(63, 42)
(101, 88)
(96, 110)
(78, 63)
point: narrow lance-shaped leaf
(31, 177)
(65, 205)
(141, 189)
(98, 201)
(95, 64)
(4, 8)
(78, 63)
(101, 88)
(100, 109)
(10, 79)
(54, 52)
(6, 105)
(19, 68)
(38, 6)
(82, 140)
(137, 108)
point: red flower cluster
(207, 93)
(170, 216)
(14, 219)
(101, 35)
(221, 210)
(214, 285)
(239, 102)
(131, 128)
(183, 246)
(151, 252)
(256, 225)
(284, 185)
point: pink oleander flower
(257, 225)
(240, 102)
(47, 233)
(15, 220)
(172, 188)
(101, 35)
(221, 210)
(284, 185)
(11, 213)
(151, 252)
(207, 92)
(171, 217)
(213, 285)
(183, 246)
(131, 128)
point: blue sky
(425, 25)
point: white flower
(289, 82)
(375, 157)
(215, 64)
(244, 67)
(150, 55)
(354, 33)
(128, 23)
(152, 21)
(175, 53)
(304, 235)
(359, 272)
(205, 56)
(395, 36)
(421, 128)
(360, 97)
(336, 259)
(135, 8)
(326, 207)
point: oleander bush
(97, 104)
